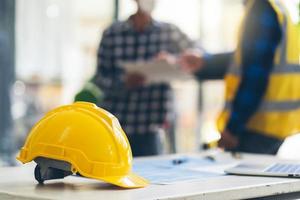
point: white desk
(19, 183)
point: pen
(236, 155)
(210, 158)
(179, 161)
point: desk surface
(18, 183)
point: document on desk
(171, 171)
(157, 71)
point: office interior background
(56, 43)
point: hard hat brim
(128, 181)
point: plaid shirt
(140, 110)
(261, 37)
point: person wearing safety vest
(262, 83)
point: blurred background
(50, 47)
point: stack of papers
(171, 171)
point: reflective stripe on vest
(278, 69)
(268, 106)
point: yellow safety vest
(279, 112)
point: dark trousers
(253, 142)
(146, 144)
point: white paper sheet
(157, 71)
(164, 171)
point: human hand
(134, 80)
(228, 141)
(191, 61)
(167, 57)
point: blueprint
(171, 171)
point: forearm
(215, 66)
(246, 102)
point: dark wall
(7, 66)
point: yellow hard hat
(81, 139)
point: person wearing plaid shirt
(261, 37)
(144, 111)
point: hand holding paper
(157, 71)
(134, 80)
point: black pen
(211, 158)
(179, 161)
(236, 154)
